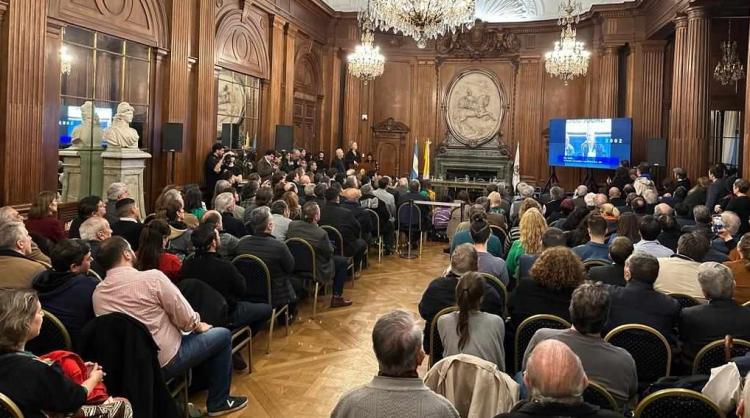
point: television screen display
(589, 143)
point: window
(726, 144)
(238, 109)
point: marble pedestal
(82, 173)
(125, 165)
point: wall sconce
(364, 116)
(66, 61)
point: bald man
(555, 379)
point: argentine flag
(415, 162)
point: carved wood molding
(143, 21)
(479, 42)
(241, 46)
(390, 126)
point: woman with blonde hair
(554, 276)
(43, 220)
(292, 201)
(527, 204)
(531, 229)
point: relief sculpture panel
(475, 108)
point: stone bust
(88, 134)
(120, 134)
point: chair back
(746, 303)
(435, 342)
(8, 408)
(502, 236)
(677, 403)
(718, 353)
(594, 262)
(531, 325)
(257, 278)
(304, 258)
(375, 220)
(409, 215)
(685, 301)
(94, 275)
(205, 300)
(52, 336)
(498, 285)
(334, 235)
(598, 395)
(648, 347)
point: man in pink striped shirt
(151, 298)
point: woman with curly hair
(527, 204)
(529, 241)
(292, 201)
(554, 276)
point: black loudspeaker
(657, 151)
(284, 137)
(171, 137)
(230, 134)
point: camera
(717, 224)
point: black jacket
(613, 274)
(700, 325)
(218, 273)
(125, 349)
(669, 238)
(362, 216)
(639, 303)
(318, 238)
(526, 409)
(278, 259)
(530, 298)
(205, 300)
(440, 294)
(339, 165)
(233, 225)
(131, 231)
(341, 218)
(351, 157)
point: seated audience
(224, 204)
(740, 204)
(649, 229)
(94, 230)
(741, 270)
(470, 331)
(397, 390)
(66, 290)
(228, 242)
(554, 276)
(87, 207)
(19, 270)
(42, 218)
(555, 380)
(274, 254)
(697, 195)
(335, 215)
(638, 303)
(39, 387)
(194, 202)
(553, 211)
(115, 192)
(532, 228)
(679, 273)
(10, 214)
(721, 316)
(670, 231)
(613, 274)
(552, 237)
(128, 223)
(723, 241)
(480, 234)
(627, 226)
(152, 253)
(610, 366)
(615, 197)
(329, 265)
(441, 292)
(683, 215)
(179, 231)
(280, 218)
(595, 249)
(350, 200)
(702, 218)
(463, 233)
(151, 298)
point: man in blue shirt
(595, 249)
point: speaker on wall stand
(171, 142)
(656, 155)
(284, 137)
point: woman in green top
(194, 202)
(532, 227)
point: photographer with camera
(213, 166)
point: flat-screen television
(589, 143)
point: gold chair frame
(665, 393)
(10, 406)
(525, 323)
(626, 327)
(433, 328)
(710, 346)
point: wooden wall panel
(51, 125)
(649, 123)
(746, 146)
(274, 104)
(528, 118)
(176, 101)
(205, 109)
(608, 82)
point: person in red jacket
(43, 220)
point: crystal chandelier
(423, 19)
(729, 68)
(366, 62)
(569, 59)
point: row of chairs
(665, 403)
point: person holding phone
(213, 165)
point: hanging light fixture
(729, 68)
(423, 19)
(569, 59)
(366, 62)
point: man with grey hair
(15, 247)
(702, 218)
(115, 192)
(552, 208)
(441, 293)
(10, 214)
(224, 203)
(724, 240)
(662, 209)
(615, 197)
(606, 364)
(397, 390)
(721, 316)
(580, 192)
(274, 254)
(555, 379)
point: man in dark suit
(638, 303)
(128, 223)
(414, 195)
(702, 217)
(614, 274)
(350, 200)
(328, 265)
(721, 316)
(224, 204)
(552, 207)
(717, 189)
(338, 162)
(343, 220)
(266, 165)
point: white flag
(517, 167)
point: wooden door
(305, 112)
